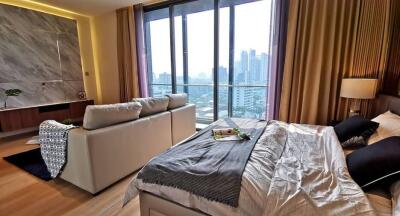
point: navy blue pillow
(355, 126)
(376, 163)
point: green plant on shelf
(67, 121)
(11, 93)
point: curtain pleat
(319, 41)
(328, 40)
(127, 60)
(141, 50)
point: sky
(252, 28)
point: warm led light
(45, 8)
(96, 62)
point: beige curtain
(127, 60)
(326, 41)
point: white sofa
(98, 158)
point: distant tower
(222, 75)
(264, 68)
(244, 63)
(254, 68)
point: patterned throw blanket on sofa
(53, 138)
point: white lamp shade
(359, 88)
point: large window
(158, 52)
(217, 51)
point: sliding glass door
(216, 51)
(194, 42)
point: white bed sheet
(381, 202)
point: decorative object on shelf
(67, 121)
(11, 93)
(333, 123)
(358, 89)
(82, 95)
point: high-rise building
(164, 78)
(223, 75)
(244, 62)
(264, 67)
(251, 76)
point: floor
(24, 194)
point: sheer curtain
(278, 58)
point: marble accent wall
(39, 54)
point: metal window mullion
(172, 47)
(149, 58)
(231, 58)
(216, 57)
(185, 54)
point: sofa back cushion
(99, 116)
(152, 105)
(177, 100)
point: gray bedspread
(206, 167)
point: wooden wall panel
(17, 119)
(391, 84)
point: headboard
(384, 103)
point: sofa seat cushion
(177, 100)
(99, 116)
(152, 105)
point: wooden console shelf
(29, 117)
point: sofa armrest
(78, 169)
(183, 122)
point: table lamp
(358, 89)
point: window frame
(217, 5)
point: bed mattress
(293, 170)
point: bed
(305, 174)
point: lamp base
(355, 105)
(354, 113)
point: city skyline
(247, 101)
(248, 70)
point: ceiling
(92, 7)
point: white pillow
(99, 116)
(152, 105)
(389, 125)
(177, 100)
(395, 190)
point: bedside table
(333, 123)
